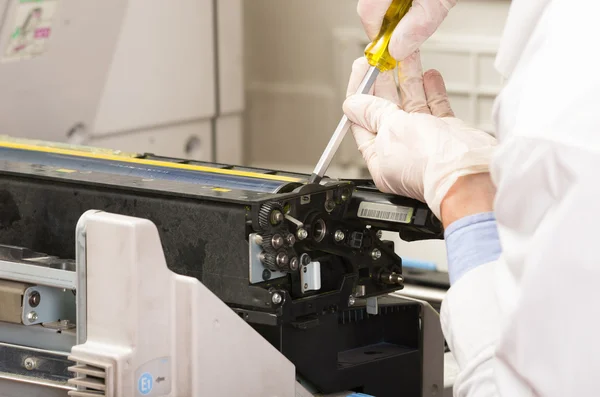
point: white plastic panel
(191, 141)
(230, 56)
(230, 140)
(155, 323)
(46, 96)
(163, 69)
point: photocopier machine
(126, 274)
(163, 269)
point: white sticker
(385, 212)
(31, 30)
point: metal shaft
(341, 130)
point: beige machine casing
(135, 75)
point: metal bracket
(372, 306)
(29, 365)
(258, 273)
(310, 276)
(43, 304)
(37, 274)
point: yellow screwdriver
(379, 58)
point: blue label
(145, 383)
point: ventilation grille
(89, 379)
(359, 314)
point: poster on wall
(31, 29)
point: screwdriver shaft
(341, 130)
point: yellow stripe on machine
(109, 155)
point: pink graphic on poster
(31, 29)
(42, 33)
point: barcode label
(385, 212)
(384, 215)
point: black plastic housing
(379, 355)
(205, 234)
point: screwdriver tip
(314, 178)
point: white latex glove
(420, 151)
(421, 21)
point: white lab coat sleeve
(528, 324)
(470, 321)
(547, 344)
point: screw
(360, 290)
(351, 301)
(396, 278)
(276, 298)
(29, 364)
(276, 217)
(282, 259)
(379, 234)
(277, 241)
(290, 239)
(345, 194)
(266, 274)
(301, 234)
(258, 239)
(305, 259)
(32, 316)
(375, 254)
(34, 299)
(339, 235)
(306, 286)
(329, 205)
(294, 263)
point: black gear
(267, 242)
(264, 215)
(269, 261)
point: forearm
(471, 234)
(470, 195)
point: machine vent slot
(352, 316)
(90, 380)
(360, 314)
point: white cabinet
(127, 69)
(163, 68)
(190, 140)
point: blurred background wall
(298, 56)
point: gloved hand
(414, 148)
(421, 21)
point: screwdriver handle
(380, 60)
(377, 53)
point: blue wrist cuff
(470, 242)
